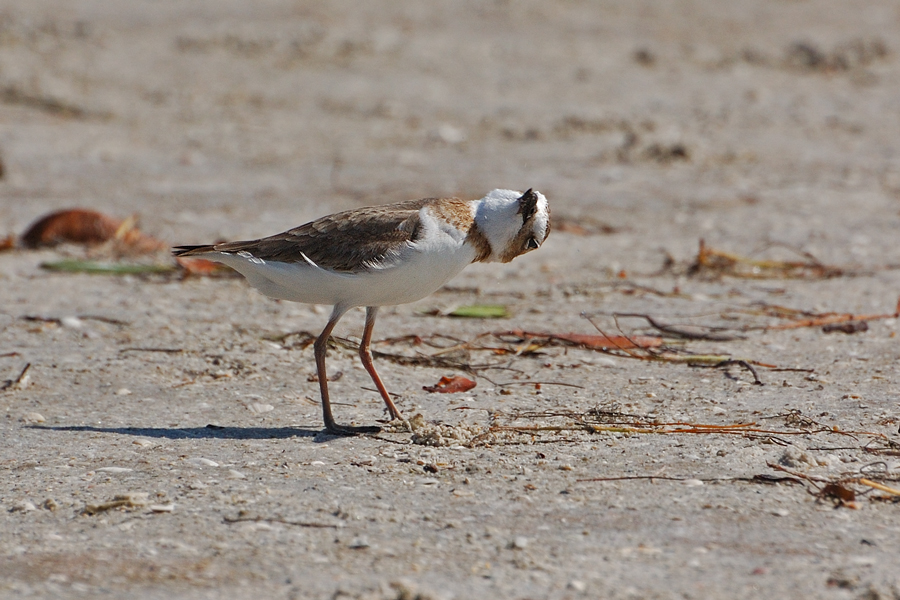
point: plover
(383, 255)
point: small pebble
(204, 462)
(115, 470)
(33, 418)
(23, 507)
(692, 482)
(162, 508)
(781, 512)
(519, 543)
(72, 322)
(144, 443)
(258, 408)
(578, 586)
(232, 474)
(359, 543)
(449, 134)
(123, 392)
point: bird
(382, 256)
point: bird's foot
(347, 430)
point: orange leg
(320, 348)
(365, 355)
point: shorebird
(380, 256)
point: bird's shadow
(215, 432)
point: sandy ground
(652, 124)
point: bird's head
(513, 223)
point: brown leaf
(595, 341)
(451, 385)
(844, 495)
(201, 267)
(77, 226)
(89, 227)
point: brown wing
(352, 240)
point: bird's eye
(531, 244)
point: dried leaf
(201, 267)
(592, 341)
(88, 227)
(841, 493)
(451, 385)
(77, 226)
(717, 263)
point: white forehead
(502, 196)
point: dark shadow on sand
(208, 432)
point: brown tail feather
(192, 250)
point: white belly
(418, 272)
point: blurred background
(742, 121)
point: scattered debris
(129, 500)
(89, 227)
(201, 267)
(668, 353)
(600, 420)
(434, 434)
(800, 319)
(19, 382)
(839, 490)
(849, 327)
(582, 340)
(879, 486)
(15, 96)
(245, 517)
(336, 376)
(714, 264)
(451, 385)
(854, 54)
(686, 332)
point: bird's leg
(320, 348)
(365, 355)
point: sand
(166, 440)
